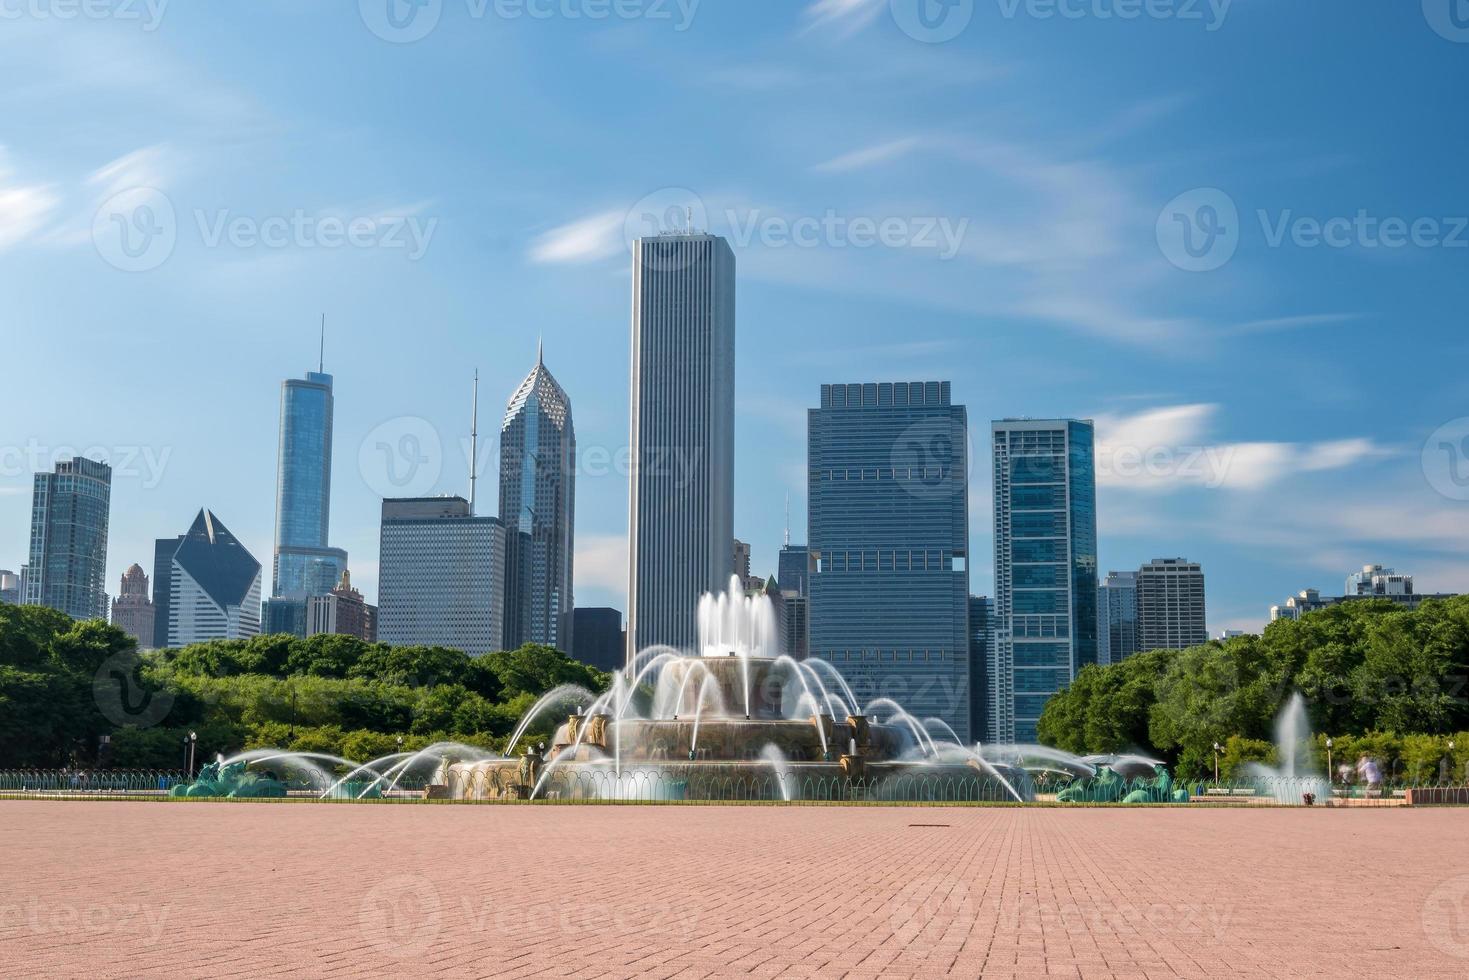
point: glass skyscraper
(304, 564)
(888, 479)
(69, 513)
(1117, 625)
(538, 509)
(681, 497)
(1045, 567)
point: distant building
(794, 560)
(163, 551)
(888, 480)
(441, 576)
(343, 612)
(68, 555)
(305, 564)
(981, 653)
(681, 494)
(284, 615)
(1117, 634)
(9, 587)
(1170, 605)
(597, 638)
(538, 509)
(132, 610)
(1223, 635)
(795, 624)
(1045, 501)
(1377, 580)
(214, 587)
(742, 559)
(1372, 582)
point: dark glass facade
(68, 553)
(792, 574)
(304, 564)
(598, 638)
(888, 537)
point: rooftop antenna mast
(788, 518)
(474, 444)
(321, 362)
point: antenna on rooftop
(474, 444)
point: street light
(193, 740)
(1329, 770)
(400, 744)
(1217, 749)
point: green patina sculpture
(1108, 786)
(234, 781)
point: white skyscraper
(214, 586)
(681, 507)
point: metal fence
(651, 786)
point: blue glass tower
(69, 515)
(304, 564)
(1045, 567)
(888, 478)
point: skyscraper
(597, 638)
(9, 587)
(792, 568)
(132, 610)
(69, 513)
(163, 549)
(1170, 605)
(441, 576)
(1117, 636)
(214, 587)
(1045, 567)
(343, 612)
(304, 563)
(981, 652)
(538, 509)
(681, 499)
(888, 480)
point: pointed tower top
(540, 352)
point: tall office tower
(538, 509)
(1377, 580)
(68, 566)
(1117, 637)
(304, 564)
(981, 652)
(9, 587)
(441, 576)
(681, 499)
(214, 586)
(163, 549)
(795, 624)
(888, 479)
(1170, 605)
(597, 638)
(1045, 567)
(794, 559)
(132, 610)
(343, 612)
(741, 563)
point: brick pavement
(209, 889)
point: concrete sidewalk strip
(129, 889)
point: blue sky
(1035, 177)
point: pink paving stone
(105, 889)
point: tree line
(1377, 678)
(67, 684)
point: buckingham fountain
(734, 719)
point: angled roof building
(214, 587)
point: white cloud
(588, 240)
(601, 563)
(1168, 449)
(844, 16)
(868, 156)
(24, 208)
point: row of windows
(890, 561)
(891, 656)
(928, 474)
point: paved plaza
(103, 889)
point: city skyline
(1246, 379)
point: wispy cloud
(587, 240)
(1283, 323)
(869, 156)
(845, 17)
(601, 563)
(24, 208)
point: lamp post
(193, 741)
(186, 753)
(1329, 770)
(1217, 749)
(1449, 763)
(400, 744)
